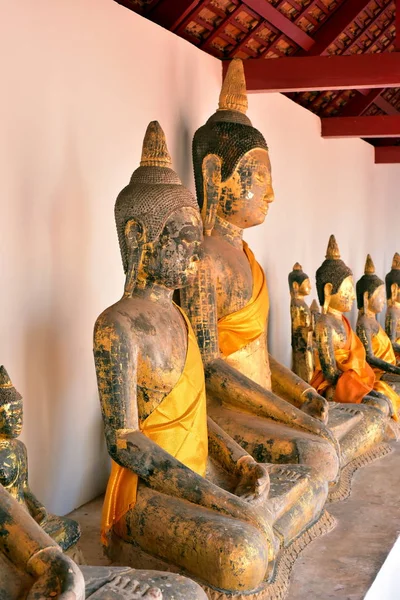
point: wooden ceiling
(318, 44)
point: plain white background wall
(321, 187)
(81, 79)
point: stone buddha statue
(228, 302)
(181, 494)
(392, 321)
(33, 567)
(379, 350)
(302, 324)
(14, 470)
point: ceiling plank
(335, 25)
(382, 126)
(322, 73)
(171, 14)
(359, 104)
(384, 105)
(387, 154)
(278, 20)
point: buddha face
(172, 259)
(11, 419)
(344, 297)
(246, 195)
(305, 288)
(377, 301)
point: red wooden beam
(170, 14)
(397, 39)
(384, 105)
(335, 25)
(387, 154)
(278, 20)
(359, 104)
(364, 127)
(322, 73)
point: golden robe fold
(178, 425)
(358, 378)
(247, 324)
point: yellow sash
(383, 349)
(357, 379)
(178, 425)
(247, 324)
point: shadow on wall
(64, 410)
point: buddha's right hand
(254, 482)
(58, 577)
(316, 406)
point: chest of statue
(300, 314)
(234, 281)
(12, 465)
(338, 331)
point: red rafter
(171, 14)
(386, 106)
(359, 104)
(365, 127)
(397, 39)
(387, 154)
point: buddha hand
(60, 578)
(126, 588)
(316, 406)
(254, 480)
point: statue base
(122, 553)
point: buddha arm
(223, 448)
(116, 367)
(365, 334)
(391, 330)
(326, 350)
(35, 507)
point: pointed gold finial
(369, 268)
(5, 381)
(155, 152)
(396, 262)
(297, 267)
(332, 252)
(314, 306)
(233, 94)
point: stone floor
(341, 565)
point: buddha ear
(365, 301)
(211, 169)
(327, 297)
(394, 288)
(134, 239)
(295, 288)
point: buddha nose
(269, 196)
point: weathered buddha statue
(181, 493)
(33, 567)
(341, 372)
(392, 321)
(228, 302)
(378, 347)
(302, 324)
(14, 469)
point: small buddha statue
(392, 321)
(378, 347)
(14, 469)
(228, 303)
(181, 492)
(342, 372)
(33, 567)
(302, 324)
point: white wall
(81, 79)
(321, 187)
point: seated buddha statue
(392, 321)
(33, 567)
(14, 469)
(228, 303)
(181, 493)
(371, 299)
(302, 324)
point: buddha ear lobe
(134, 239)
(394, 288)
(327, 297)
(365, 301)
(211, 169)
(295, 288)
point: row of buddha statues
(222, 458)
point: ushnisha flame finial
(332, 252)
(155, 152)
(5, 381)
(233, 94)
(297, 267)
(396, 262)
(369, 268)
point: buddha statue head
(158, 221)
(335, 286)
(392, 281)
(231, 162)
(10, 407)
(299, 283)
(370, 290)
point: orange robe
(178, 425)
(358, 378)
(383, 349)
(247, 324)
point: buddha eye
(260, 176)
